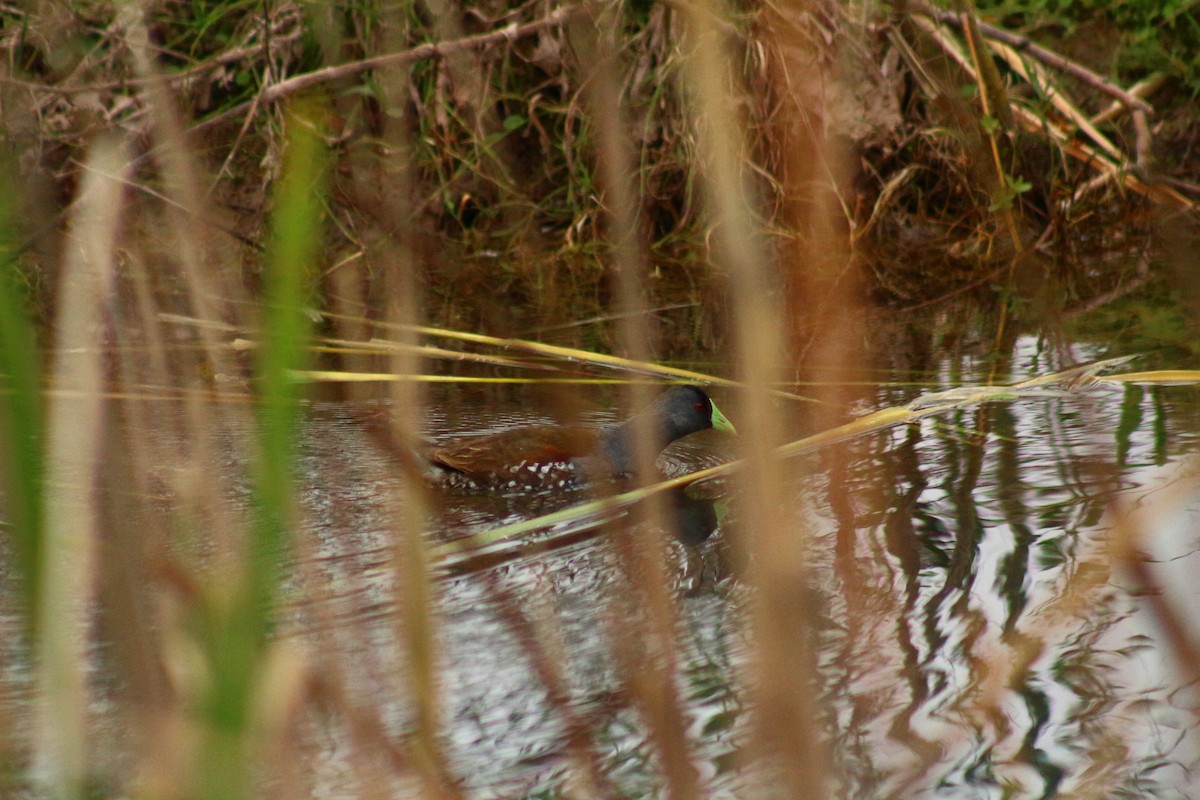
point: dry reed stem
(187, 212)
(567, 354)
(1131, 522)
(416, 609)
(135, 555)
(281, 699)
(784, 737)
(75, 424)
(651, 671)
(546, 660)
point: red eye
(699, 406)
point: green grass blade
(292, 253)
(22, 423)
(236, 634)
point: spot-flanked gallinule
(559, 456)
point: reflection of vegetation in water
(1153, 319)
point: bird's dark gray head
(677, 412)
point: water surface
(978, 628)
(975, 635)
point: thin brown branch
(1141, 127)
(1143, 88)
(278, 91)
(282, 33)
(1026, 45)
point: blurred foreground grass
(187, 592)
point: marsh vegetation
(255, 255)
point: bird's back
(542, 454)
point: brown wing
(496, 454)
